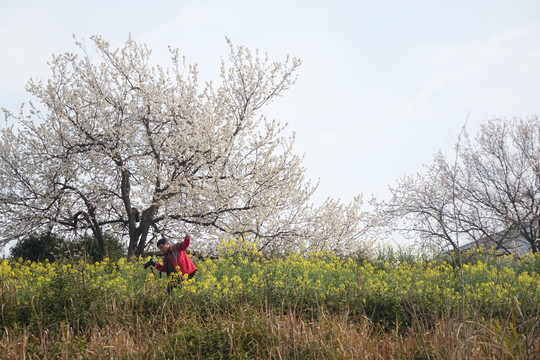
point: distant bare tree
(490, 194)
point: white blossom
(145, 151)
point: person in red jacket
(176, 260)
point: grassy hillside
(299, 306)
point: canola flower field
(40, 299)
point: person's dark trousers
(176, 280)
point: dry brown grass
(257, 333)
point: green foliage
(88, 248)
(40, 248)
(54, 248)
(243, 331)
(395, 257)
(70, 298)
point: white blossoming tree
(117, 145)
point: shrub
(53, 248)
(40, 248)
(87, 248)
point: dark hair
(161, 241)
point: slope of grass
(243, 306)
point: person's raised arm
(184, 244)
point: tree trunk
(147, 220)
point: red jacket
(177, 260)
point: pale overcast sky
(384, 85)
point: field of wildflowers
(242, 305)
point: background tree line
(118, 147)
